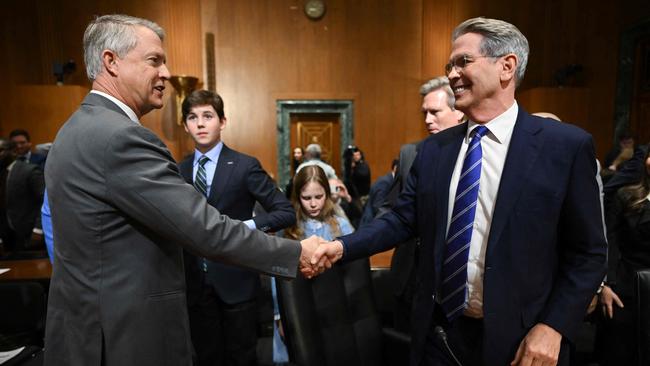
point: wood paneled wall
(36, 33)
(374, 51)
(266, 50)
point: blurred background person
(628, 232)
(22, 186)
(378, 193)
(344, 203)
(24, 151)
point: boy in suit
(221, 298)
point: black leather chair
(642, 289)
(332, 320)
(22, 321)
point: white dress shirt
(129, 112)
(495, 148)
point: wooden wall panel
(368, 49)
(42, 109)
(39, 32)
(377, 50)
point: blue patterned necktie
(201, 185)
(459, 236)
(200, 181)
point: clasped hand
(318, 255)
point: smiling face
(484, 87)
(23, 146)
(312, 199)
(141, 73)
(205, 126)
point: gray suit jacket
(121, 215)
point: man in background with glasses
(508, 213)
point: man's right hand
(309, 247)
(327, 252)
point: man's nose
(164, 72)
(453, 74)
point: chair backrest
(22, 312)
(332, 319)
(642, 290)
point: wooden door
(640, 106)
(318, 128)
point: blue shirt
(46, 223)
(320, 228)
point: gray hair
(499, 38)
(441, 82)
(114, 32)
(314, 150)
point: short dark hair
(394, 164)
(202, 97)
(19, 132)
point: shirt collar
(27, 156)
(129, 112)
(500, 127)
(212, 154)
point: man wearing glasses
(508, 213)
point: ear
(509, 62)
(110, 62)
(185, 127)
(459, 115)
(223, 122)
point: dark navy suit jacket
(239, 181)
(546, 249)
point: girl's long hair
(637, 194)
(311, 173)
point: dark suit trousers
(223, 334)
(464, 336)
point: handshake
(318, 254)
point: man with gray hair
(512, 247)
(121, 215)
(313, 157)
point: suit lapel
(225, 166)
(523, 152)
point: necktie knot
(481, 131)
(203, 160)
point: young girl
(315, 213)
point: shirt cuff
(38, 231)
(345, 246)
(251, 224)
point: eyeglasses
(461, 62)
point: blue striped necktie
(459, 236)
(201, 185)
(200, 181)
